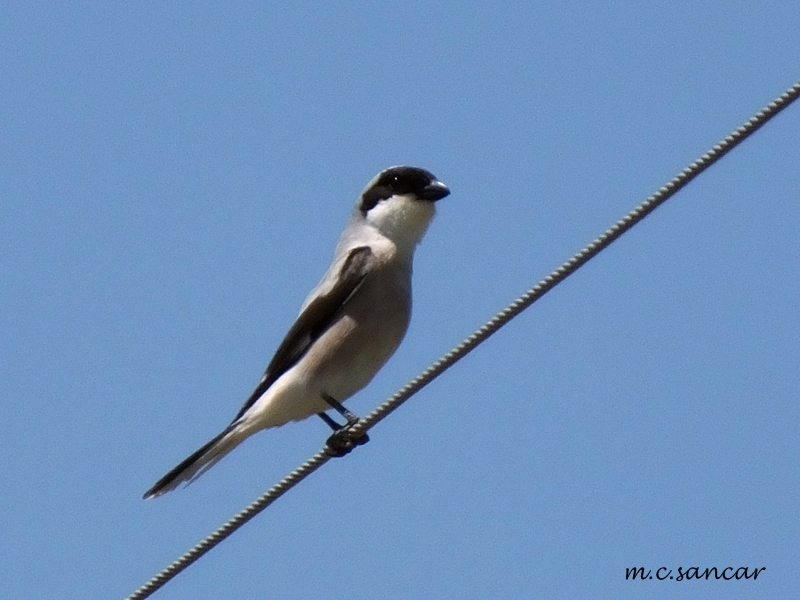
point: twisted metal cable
(259, 504)
(478, 337)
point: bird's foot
(342, 441)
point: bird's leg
(341, 441)
(329, 422)
(334, 404)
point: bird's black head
(397, 181)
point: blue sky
(174, 177)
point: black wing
(313, 321)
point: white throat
(403, 219)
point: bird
(348, 327)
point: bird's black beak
(435, 190)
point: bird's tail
(200, 461)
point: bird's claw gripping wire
(342, 440)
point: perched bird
(348, 327)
